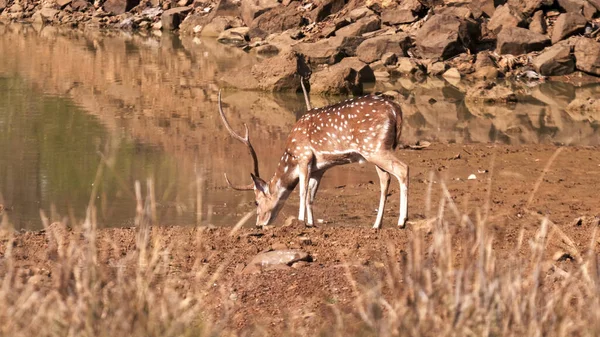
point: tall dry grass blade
(241, 222)
(540, 179)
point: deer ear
(260, 184)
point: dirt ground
(510, 177)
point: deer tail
(397, 113)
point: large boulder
(372, 49)
(276, 20)
(505, 16)
(517, 41)
(587, 56)
(251, 9)
(406, 12)
(339, 79)
(280, 73)
(45, 15)
(358, 28)
(538, 23)
(216, 26)
(365, 72)
(326, 8)
(528, 7)
(481, 7)
(444, 36)
(579, 7)
(234, 36)
(172, 18)
(555, 60)
(329, 51)
(568, 24)
(117, 7)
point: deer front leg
(384, 183)
(313, 186)
(303, 179)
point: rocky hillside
(341, 44)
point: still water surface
(144, 107)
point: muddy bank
(340, 45)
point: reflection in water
(66, 96)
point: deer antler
(246, 141)
(308, 107)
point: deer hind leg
(313, 186)
(388, 162)
(384, 182)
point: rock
(267, 49)
(389, 59)
(480, 7)
(587, 56)
(528, 7)
(365, 72)
(79, 5)
(483, 59)
(578, 7)
(406, 66)
(228, 8)
(280, 73)
(566, 25)
(196, 23)
(326, 8)
(472, 177)
(505, 16)
(45, 15)
(172, 18)
(490, 92)
(538, 23)
(372, 49)
(62, 3)
(555, 60)
(117, 7)
(329, 51)
(406, 12)
(358, 28)
(338, 79)
(216, 26)
(279, 257)
(234, 36)
(517, 41)
(595, 3)
(486, 73)
(452, 73)
(459, 11)
(359, 13)
(436, 68)
(3, 4)
(444, 36)
(251, 9)
(276, 20)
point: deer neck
(285, 179)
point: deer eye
(256, 203)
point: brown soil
(567, 191)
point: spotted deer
(361, 129)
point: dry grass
(432, 291)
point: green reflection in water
(49, 158)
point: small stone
(472, 177)
(562, 256)
(452, 73)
